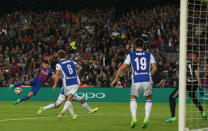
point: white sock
(133, 108)
(85, 105)
(68, 105)
(148, 107)
(49, 106)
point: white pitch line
(33, 118)
(29, 118)
(18, 119)
(100, 114)
(93, 114)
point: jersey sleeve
(127, 60)
(58, 67)
(152, 59)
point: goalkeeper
(193, 80)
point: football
(17, 90)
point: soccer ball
(17, 90)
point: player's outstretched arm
(123, 67)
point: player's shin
(24, 98)
(133, 108)
(68, 105)
(86, 106)
(172, 104)
(148, 107)
(71, 110)
(49, 106)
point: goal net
(196, 64)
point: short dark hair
(46, 61)
(61, 54)
(139, 42)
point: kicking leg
(50, 106)
(33, 91)
(60, 100)
(24, 98)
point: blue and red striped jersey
(44, 74)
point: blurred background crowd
(98, 39)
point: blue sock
(19, 84)
(24, 98)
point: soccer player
(69, 69)
(193, 80)
(141, 64)
(43, 74)
(62, 98)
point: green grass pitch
(110, 117)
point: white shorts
(61, 98)
(145, 87)
(70, 90)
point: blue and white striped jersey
(141, 65)
(68, 69)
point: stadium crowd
(98, 39)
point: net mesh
(197, 52)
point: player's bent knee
(30, 94)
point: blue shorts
(36, 85)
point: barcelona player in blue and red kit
(44, 73)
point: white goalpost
(182, 65)
(194, 39)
